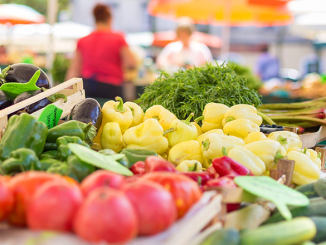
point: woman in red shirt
(100, 58)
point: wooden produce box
(74, 96)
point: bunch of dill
(188, 91)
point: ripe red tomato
(184, 190)
(106, 215)
(6, 198)
(101, 178)
(53, 206)
(153, 204)
(23, 186)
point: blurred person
(185, 52)
(3, 55)
(101, 57)
(267, 65)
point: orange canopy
(163, 38)
(19, 14)
(229, 12)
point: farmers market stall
(196, 160)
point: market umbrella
(225, 12)
(19, 14)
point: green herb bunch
(188, 91)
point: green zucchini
(287, 232)
(320, 187)
(316, 208)
(320, 223)
(223, 237)
(308, 190)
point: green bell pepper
(63, 149)
(46, 163)
(135, 155)
(21, 160)
(86, 132)
(23, 131)
(53, 154)
(108, 152)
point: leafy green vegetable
(188, 91)
(253, 81)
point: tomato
(106, 215)
(23, 186)
(184, 190)
(53, 206)
(6, 198)
(101, 178)
(153, 204)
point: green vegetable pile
(253, 81)
(188, 91)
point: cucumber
(308, 190)
(287, 232)
(316, 208)
(320, 223)
(223, 237)
(320, 187)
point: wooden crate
(74, 96)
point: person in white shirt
(185, 52)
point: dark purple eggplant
(5, 101)
(39, 104)
(22, 73)
(87, 111)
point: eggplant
(5, 100)
(22, 73)
(39, 104)
(87, 111)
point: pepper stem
(193, 168)
(54, 97)
(4, 73)
(278, 156)
(89, 130)
(120, 108)
(187, 121)
(170, 130)
(305, 150)
(282, 140)
(199, 119)
(199, 181)
(229, 119)
(319, 155)
(224, 152)
(205, 144)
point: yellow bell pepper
(189, 166)
(212, 116)
(240, 128)
(267, 173)
(242, 111)
(186, 150)
(315, 157)
(113, 111)
(162, 115)
(287, 139)
(269, 151)
(213, 144)
(137, 113)
(181, 130)
(248, 159)
(201, 138)
(305, 170)
(254, 136)
(111, 137)
(199, 131)
(147, 135)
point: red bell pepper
(227, 166)
(153, 163)
(200, 177)
(138, 168)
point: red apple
(101, 178)
(106, 215)
(153, 204)
(53, 206)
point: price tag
(50, 115)
(15, 89)
(271, 190)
